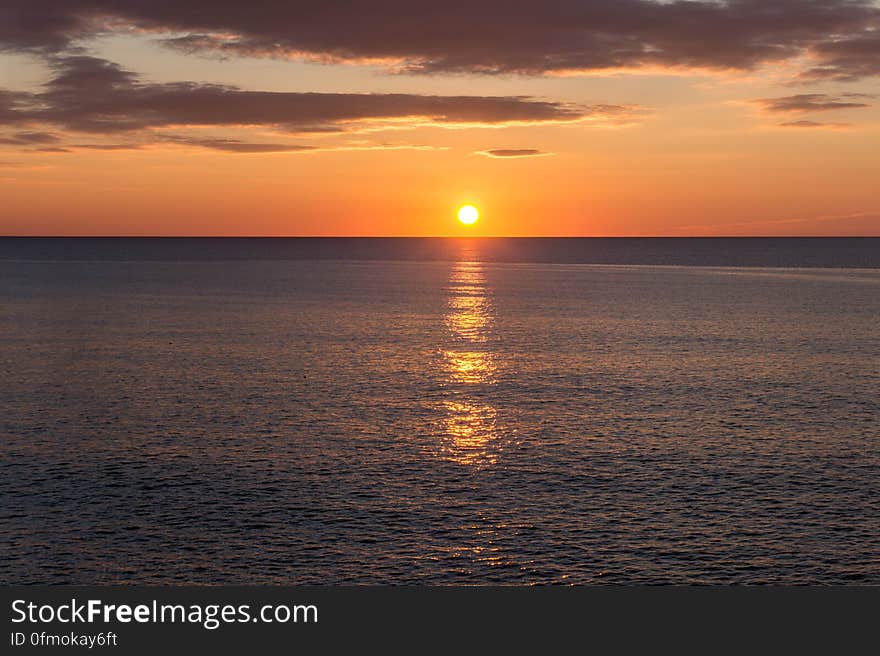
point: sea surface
(299, 411)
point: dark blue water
(843, 252)
(448, 411)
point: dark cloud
(814, 124)
(45, 25)
(12, 107)
(82, 74)
(87, 94)
(512, 152)
(490, 36)
(847, 59)
(812, 102)
(227, 145)
(236, 146)
(50, 149)
(29, 138)
(119, 146)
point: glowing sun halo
(468, 214)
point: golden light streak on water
(469, 424)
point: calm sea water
(439, 411)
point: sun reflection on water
(470, 434)
(469, 316)
(469, 366)
(471, 430)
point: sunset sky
(611, 117)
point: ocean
(440, 411)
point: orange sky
(120, 131)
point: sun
(468, 214)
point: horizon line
(110, 236)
